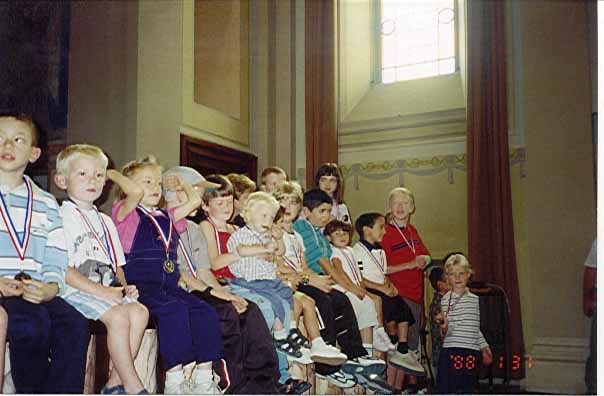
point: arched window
(418, 39)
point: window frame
(376, 61)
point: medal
(410, 245)
(20, 244)
(168, 266)
(108, 248)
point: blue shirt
(316, 246)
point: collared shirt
(46, 254)
(87, 248)
(251, 267)
(316, 246)
(373, 259)
(196, 245)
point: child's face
(339, 238)
(376, 233)
(84, 180)
(149, 178)
(329, 184)
(442, 286)
(220, 208)
(16, 149)
(260, 218)
(458, 277)
(272, 181)
(240, 203)
(401, 206)
(319, 216)
(292, 207)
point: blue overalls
(188, 328)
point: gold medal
(168, 266)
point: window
(417, 39)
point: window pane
(418, 38)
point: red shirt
(398, 250)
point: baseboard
(558, 365)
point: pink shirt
(126, 228)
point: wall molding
(558, 365)
(420, 167)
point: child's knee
(140, 313)
(308, 303)
(3, 318)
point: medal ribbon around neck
(185, 253)
(19, 244)
(317, 239)
(410, 245)
(298, 252)
(450, 307)
(380, 264)
(352, 265)
(216, 235)
(165, 241)
(108, 247)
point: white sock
(293, 324)
(175, 377)
(203, 373)
(317, 342)
(280, 334)
(369, 348)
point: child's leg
(377, 302)
(138, 315)
(297, 311)
(117, 322)
(3, 329)
(311, 322)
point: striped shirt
(294, 250)
(464, 321)
(250, 267)
(316, 246)
(46, 256)
(374, 262)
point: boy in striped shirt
(48, 337)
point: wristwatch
(305, 280)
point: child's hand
(271, 247)
(439, 318)
(37, 292)
(420, 262)
(11, 287)
(391, 291)
(277, 233)
(487, 356)
(112, 174)
(444, 326)
(114, 294)
(131, 291)
(360, 293)
(172, 182)
(321, 282)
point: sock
(280, 334)
(293, 325)
(203, 373)
(402, 347)
(393, 339)
(317, 342)
(175, 377)
(369, 348)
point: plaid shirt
(251, 267)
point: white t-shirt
(294, 248)
(88, 243)
(349, 263)
(340, 212)
(374, 263)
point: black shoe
(294, 387)
(374, 383)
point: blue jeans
(48, 344)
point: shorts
(364, 309)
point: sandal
(288, 348)
(114, 390)
(294, 387)
(295, 336)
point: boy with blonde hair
(48, 337)
(96, 285)
(272, 178)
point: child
(243, 186)
(396, 313)
(48, 337)
(218, 207)
(320, 352)
(460, 325)
(271, 178)
(367, 306)
(439, 284)
(406, 256)
(364, 368)
(329, 179)
(95, 261)
(249, 352)
(188, 328)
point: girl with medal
(367, 306)
(397, 315)
(329, 179)
(93, 244)
(188, 328)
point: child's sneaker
(171, 388)
(339, 379)
(206, 388)
(327, 354)
(381, 340)
(407, 363)
(288, 347)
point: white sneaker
(407, 362)
(206, 388)
(327, 354)
(339, 379)
(175, 388)
(381, 341)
